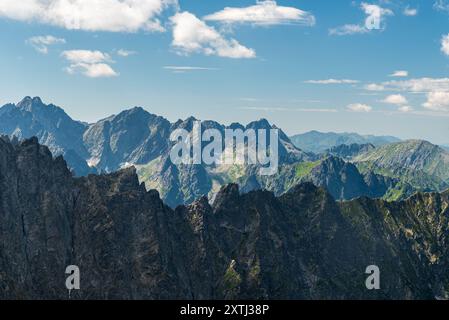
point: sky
(371, 67)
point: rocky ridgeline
(129, 245)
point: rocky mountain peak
(260, 124)
(227, 194)
(28, 103)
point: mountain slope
(319, 142)
(348, 152)
(420, 163)
(129, 245)
(134, 136)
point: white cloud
(332, 81)
(399, 74)
(374, 19)
(418, 85)
(191, 34)
(89, 15)
(263, 13)
(410, 12)
(437, 101)
(86, 56)
(92, 64)
(41, 43)
(445, 44)
(125, 53)
(405, 109)
(396, 99)
(359, 107)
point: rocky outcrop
(129, 245)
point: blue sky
(303, 65)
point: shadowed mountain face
(133, 136)
(129, 245)
(342, 179)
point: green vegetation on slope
(305, 168)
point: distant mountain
(319, 142)
(445, 147)
(185, 183)
(348, 152)
(419, 163)
(51, 125)
(132, 137)
(129, 245)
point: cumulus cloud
(437, 101)
(92, 64)
(445, 44)
(90, 15)
(373, 21)
(263, 13)
(332, 81)
(41, 43)
(192, 35)
(399, 74)
(396, 99)
(359, 107)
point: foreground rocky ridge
(129, 245)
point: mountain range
(381, 167)
(319, 142)
(129, 245)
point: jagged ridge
(129, 245)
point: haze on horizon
(303, 65)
